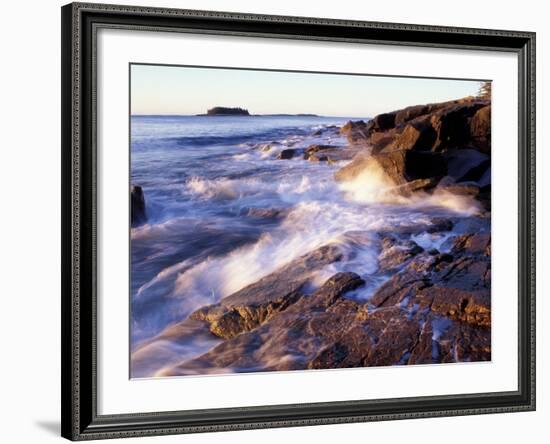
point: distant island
(225, 111)
(237, 111)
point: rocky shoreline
(426, 304)
(438, 147)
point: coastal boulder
(138, 215)
(330, 129)
(286, 154)
(411, 112)
(310, 324)
(258, 302)
(418, 135)
(395, 253)
(356, 131)
(417, 146)
(312, 150)
(460, 189)
(382, 122)
(266, 213)
(328, 153)
(452, 125)
(400, 166)
(466, 164)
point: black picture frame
(80, 420)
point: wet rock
(353, 169)
(452, 125)
(330, 357)
(462, 164)
(394, 337)
(328, 153)
(435, 127)
(463, 342)
(286, 154)
(441, 340)
(333, 289)
(318, 153)
(267, 213)
(473, 244)
(320, 158)
(434, 225)
(258, 302)
(327, 331)
(418, 135)
(395, 253)
(413, 186)
(290, 339)
(460, 189)
(478, 174)
(383, 122)
(266, 147)
(473, 307)
(355, 131)
(405, 166)
(138, 214)
(455, 285)
(313, 149)
(401, 285)
(400, 166)
(439, 224)
(436, 309)
(382, 141)
(412, 112)
(327, 129)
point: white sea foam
(308, 226)
(219, 188)
(223, 188)
(373, 185)
(322, 213)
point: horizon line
(249, 115)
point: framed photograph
(278, 221)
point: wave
(222, 188)
(308, 226)
(318, 214)
(288, 189)
(373, 185)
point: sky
(159, 89)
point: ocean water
(201, 177)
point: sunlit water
(202, 175)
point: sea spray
(373, 185)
